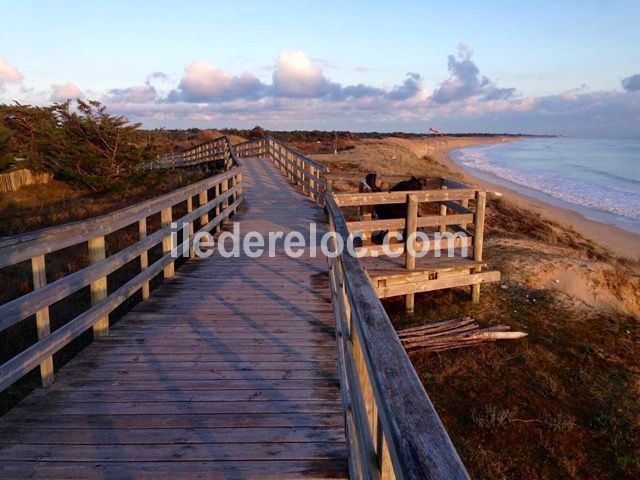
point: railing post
(216, 195)
(166, 217)
(224, 187)
(443, 212)
(99, 287)
(234, 182)
(144, 256)
(312, 182)
(42, 318)
(192, 253)
(410, 230)
(465, 204)
(478, 234)
(203, 198)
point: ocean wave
(611, 199)
(603, 173)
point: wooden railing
(448, 203)
(392, 429)
(215, 152)
(216, 198)
(300, 170)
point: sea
(596, 177)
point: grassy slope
(562, 403)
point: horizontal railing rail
(392, 428)
(300, 170)
(218, 197)
(214, 151)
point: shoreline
(621, 242)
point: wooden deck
(228, 371)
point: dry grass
(39, 206)
(562, 403)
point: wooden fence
(214, 153)
(216, 198)
(300, 170)
(13, 181)
(448, 224)
(393, 431)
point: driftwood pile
(450, 334)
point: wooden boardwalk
(228, 371)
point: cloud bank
(300, 95)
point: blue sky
(533, 67)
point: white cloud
(296, 76)
(62, 93)
(9, 73)
(204, 82)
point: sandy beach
(621, 242)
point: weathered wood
(481, 199)
(443, 212)
(410, 257)
(99, 286)
(237, 375)
(384, 198)
(166, 217)
(452, 334)
(438, 284)
(42, 318)
(418, 445)
(144, 256)
(18, 248)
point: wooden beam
(410, 257)
(144, 256)
(42, 318)
(438, 284)
(166, 217)
(478, 237)
(99, 287)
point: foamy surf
(598, 178)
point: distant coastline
(620, 241)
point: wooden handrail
(36, 245)
(404, 436)
(392, 429)
(213, 151)
(300, 170)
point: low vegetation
(561, 403)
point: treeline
(79, 143)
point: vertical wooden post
(99, 287)
(478, 234)
(144, 256)
(192, 253)
(443, 212)
(329, 187)
(203, 197)
(224, 187)
(239, 183)
(42, 318)
(234, 182)
(410, 229)
(166, 217)
(465, 204)
(304, 178)
(216, 195)
(313, 171)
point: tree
(6, 156)
(94, 148)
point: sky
(537, 67)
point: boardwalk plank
(228, 371)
